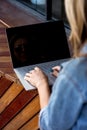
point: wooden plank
(1, 24)
(5, 59)
(5, 65)
(1, 74)
(4, 53)
(4, 49)
(31, 124)
(19, 103)
(10, 95)
(4, 24)
(3, 42)
(27, 113)
(4, 85)
(2, 33)
(7, 70)
(14, 8)
(2, 29)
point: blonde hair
(76, 13)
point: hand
(55, 70)
(36, 77)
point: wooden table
(19, 109)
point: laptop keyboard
(46, 68)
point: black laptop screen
(37, 43)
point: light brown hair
(76, 13)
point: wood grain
(20, 101)
(15, 14)
(10, 95)
(26, 114)
(4, 85)
(31, 124)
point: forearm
(44, 94)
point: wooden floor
(13, 14)
(18, 108)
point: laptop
(42, 44)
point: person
(65, 108)
(19, 48)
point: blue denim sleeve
(64, 106)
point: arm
(38, 79)
(64, 105)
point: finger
(27, 78)
(56, 68)
(30, 72)
(55, 73)
(27, 74)
(36, 68)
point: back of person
(65, 108)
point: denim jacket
(67, 107)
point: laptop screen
(37, 43)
